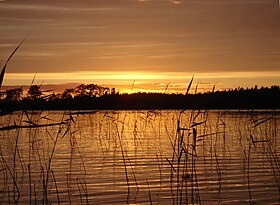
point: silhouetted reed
(196, 166)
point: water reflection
(140, 157)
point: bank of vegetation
(94, 97)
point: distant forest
(94, 97)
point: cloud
(57, 8)
(196, 35)
(176, 1)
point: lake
(140, 157)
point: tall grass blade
(194, 124)
(4, 68)
(189, 86)
(213, 89)
(150, 196)
(194, 139)
(132, 86)
(170, 164)
(196, 88)
(263, 121)
(12, 127)
(166, 88)
(33, 79)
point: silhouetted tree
(113, 91)
(53, 97)
(13, 95)
(92, 96)
(68, 94)
(90, 90)
(34, 92)
(80, 90)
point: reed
(40, 187)
(183, 163)
(150, 196)
(187, 156)
(2, 74)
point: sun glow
(164, 82)
(96, 76)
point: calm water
(141, 157)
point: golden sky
(154, 43)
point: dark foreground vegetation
(91, 96)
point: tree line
(92, 96)
(34, 92)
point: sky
(142, 45)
